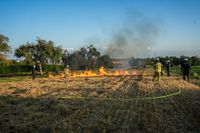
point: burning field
(124, 102)
(89, 73)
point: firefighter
(158, 70)
(167, 65)
(185, 69)
(33, 72)
(66, 70)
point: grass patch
(20, 78)
(195, 71)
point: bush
(196, 69)
(53, 68)
(6, 69)
(196, 72)
(19, 68)
(195, 75)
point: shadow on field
(34, 114)
(49, 115)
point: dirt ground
(100, 104)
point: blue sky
(76, 23)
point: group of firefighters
(185, 69)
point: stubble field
(100, 104)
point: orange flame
(90, 73)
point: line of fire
(92, 73)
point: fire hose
(124, 99)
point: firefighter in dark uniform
(33, 72)
(167, 65)
(185, 69)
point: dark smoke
(135, 38)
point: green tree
(4, 47)
(194, 60)
(40, 53)
(66, 58)
(93, 56)
(86, 58)
(55, 53)
(106, 61)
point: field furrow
(101, 104)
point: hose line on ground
(123, 99)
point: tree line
(42, 52)
(86, 58)
(174, 61)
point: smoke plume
(135, 38)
